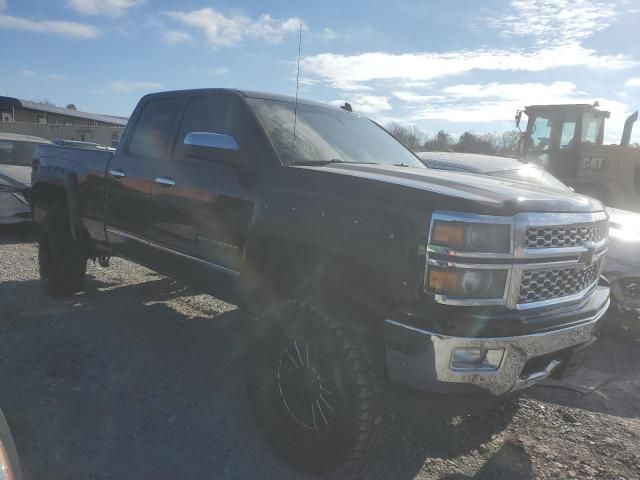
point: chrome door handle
(117, 173)
(166, 181)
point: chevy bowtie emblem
(587, 257)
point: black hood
(487, 193)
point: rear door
(202, 208)
(130, 176)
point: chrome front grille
(555, 258)
(565, 236)
(547, 284)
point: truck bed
(76, 159)
(78, 171)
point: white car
(622, 264)
(16, 154)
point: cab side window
(153, 127)
(213, 114)
(541, 133)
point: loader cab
(555, 134)
(567, 140)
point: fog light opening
(476, 358)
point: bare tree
(507, 144)
(473, 143)
(409, 135)
(441, 142)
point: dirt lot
(142, 378)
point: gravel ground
(141, 377)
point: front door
(564, 151)
(202, 208)
(130, 176)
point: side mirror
(214, 147)
(518, 118)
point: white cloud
(111, 8)
(328, 34)
(369, 104)
(536, 92)
(174, 37)
(347, 86)
(412, 84)
(356, 70)
(221, 71)
(554, 22)
(3, 5)
(31, 74)
(66, 29)
(123, 86)
(492, 102)
(632, 82)
(222, 30)
(413, 97)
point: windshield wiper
(328, 162)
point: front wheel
(313, 392)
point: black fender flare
(67, 181)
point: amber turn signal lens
(448, 233)
(444, 280)
(467, 283)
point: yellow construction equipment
(568, 140)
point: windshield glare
(534, 175)
(325, 134)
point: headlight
(467, 283)
(472, 237)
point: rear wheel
(312, 389)
(62, 261)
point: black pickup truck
(360, 264)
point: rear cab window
(151, 132)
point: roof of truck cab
(285, 98)
(249, 94)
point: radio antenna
(295, 107)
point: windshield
(532, 174)
(328, 135)
(17, 153)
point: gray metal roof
(44, 107)
(17, 137)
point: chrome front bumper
(425, 360)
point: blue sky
(464, 65)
